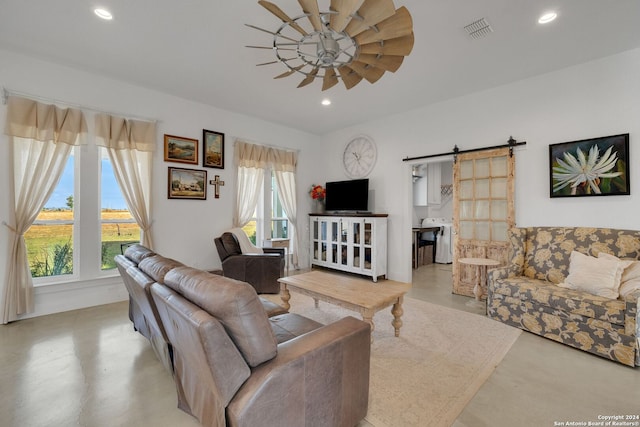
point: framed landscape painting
(212, 149)
(187, 184)
(590, 167)
(181, 150)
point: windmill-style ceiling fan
(353, 40)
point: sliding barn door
(483, 211)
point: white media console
(356, 243)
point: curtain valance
(31, 119)
(119, 133)
(260, 156)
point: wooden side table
(481, 273)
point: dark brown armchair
(261, 271)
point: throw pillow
(597, 276)
(630, 276)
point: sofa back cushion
(227, 245)
(157, 266)
(548, 249)
(235, 304)
(137, 253)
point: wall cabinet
(426, 189)
(353, 243)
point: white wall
(595, 99)
(182, 229)
(590, 100)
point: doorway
(432, 189)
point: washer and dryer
(444, 254)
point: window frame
(264, 209)
(49, 280)
(87, 214)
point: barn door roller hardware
(511, 143)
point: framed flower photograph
(590, 167)
(180, 150)
(212, 149)
(187, 183)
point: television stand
(351, 242)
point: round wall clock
(359, 157)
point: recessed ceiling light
(326, 102)
(103, 13)
(547, 17)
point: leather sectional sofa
(531, 292)
(238, 360)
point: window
(270, 219)
(119, 228)
(86, 199)
(279, 221)
(50, 239)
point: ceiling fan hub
(328, 49)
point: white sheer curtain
(284, 167)
(130, 145)
(252, 160)
(42, 137)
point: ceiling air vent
(479, 29)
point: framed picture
(180, 150)
(187, 184)
(590, 167)
(212, 149)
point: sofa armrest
(511, 270)
(631, 314)
(321, 375)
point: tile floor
(87, 368)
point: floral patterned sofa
(525, 293)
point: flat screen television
(347, 196)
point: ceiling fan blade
(271, 32)
(349, 77)
(398, 25)
(288, 73)
(372, 74)
(330, 79)
(270, 48)
(310, 77)
(279, 61)
(283, 16)
(371, 12)
(345, 9)
(386, 62)
(311, 7)
(399, 46)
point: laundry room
(432, 212)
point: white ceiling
(195, 49)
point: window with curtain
(56, 231)
(63, 194)
(269, 220)
(266, 193)
(119, 228)
(50, 239)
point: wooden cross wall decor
(217, 184)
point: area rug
(426, 376)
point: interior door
(483, 211)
